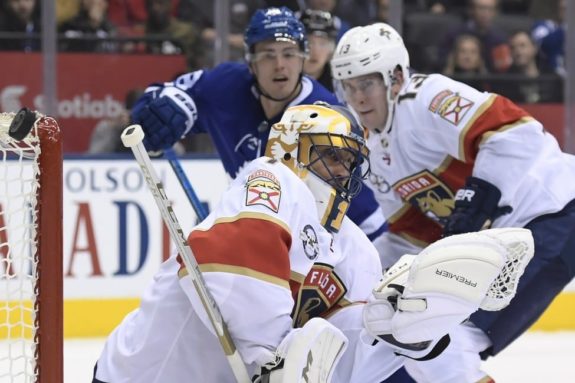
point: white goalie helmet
(375, 48)
(313, 134)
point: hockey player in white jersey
(267, 255)
(277, 253)
(449, 159)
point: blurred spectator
(357, 12)
(382, 13)
(495, 50)
(127, 15)
(524, 54)
(549, 33)
(294, 5)
(90, 30)
(66, 10)
(106, 134)
(536, 84)
(515, 6)
(341, 25)
(170, 35)
(465, 58)
(425, 34)
(321, 35)
(21, 16)
(202, 15)
(436, 7)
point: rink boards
(114, 240)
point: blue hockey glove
(475, 207)
(165, 115)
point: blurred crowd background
(512, 47)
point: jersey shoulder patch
(450, 106)
(263, 188)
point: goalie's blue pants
(550, 270)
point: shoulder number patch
(263, 188)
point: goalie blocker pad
(306, 355)
(420, 299)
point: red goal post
(31, 271)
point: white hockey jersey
(265, 259)
(444, 131)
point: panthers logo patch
(427, 193)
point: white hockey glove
(421, 298)
(308, 354)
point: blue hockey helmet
(279, 24)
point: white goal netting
(18, 264)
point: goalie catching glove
(422, 298)
(166, 116)
(475, 207)
(306, 355)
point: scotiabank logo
(79, 106)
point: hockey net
(31, 303)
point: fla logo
(450, 106)
(321, 290)
(427, 193)
(263, 188)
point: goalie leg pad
(308, 355)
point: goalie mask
(325, 146)
(376, 48)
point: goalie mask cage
(31, 275)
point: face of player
(277, 66)
(367, 96)
(320, 51)
(332, 165)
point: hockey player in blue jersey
(236, 103)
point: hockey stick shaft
(132, 137)
(172, 158)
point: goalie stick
(132, 138)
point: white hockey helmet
(375, 48)
(326, 130)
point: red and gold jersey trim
(494, 114)
(247, 245)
